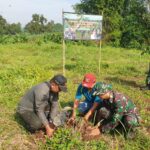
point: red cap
(89, 80)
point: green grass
(24, 65)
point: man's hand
(71, 120)
(86, 117)
(49, 131)
(91, 111)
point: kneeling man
(39, 106)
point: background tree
(136, 26)
(39, 25)
(14, 28)
(6, 28)
(3, 25)
(126, 22)
(49, 27)
(112, 11)
(36, 25)
(57, 27)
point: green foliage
(135, 26)
(18, 38)
(26, 38)
(64, 140)
(126, 23)
(112, 16)
(57, 28)
(3, 25)
(141, 143)
(6, 28)
(146, 49)
(39, 25)
(67, 139)
(14, 28)
(36, 26)
(24, 65)
(54, 37)
(21, 38)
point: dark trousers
(32, 121)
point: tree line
(126, 23)
(37, 25)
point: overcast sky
(21, 10)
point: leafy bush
(54, 37)
(67, 139)
(20, 38)
(12, 39)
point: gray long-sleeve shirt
(40, 99)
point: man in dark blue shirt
(88, 106)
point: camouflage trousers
(128, 120)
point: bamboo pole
(64, 47)
(64, 58)
(100, 55)
(100, 51)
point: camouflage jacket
(148, 80)
(119, 105)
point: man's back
(88, 94)
(29, 99)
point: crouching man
(91, 102)
(116, 109)
(39, 106)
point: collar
(48, 84)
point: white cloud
(22, 10)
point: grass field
(24, 65)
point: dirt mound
(148, 130)
(91, 133)
(88, 132)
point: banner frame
(64, 44)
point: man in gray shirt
(39, 106)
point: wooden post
(100, 54)
(100, 49)
(64, 47)
(64, 58)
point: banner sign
(82, 27)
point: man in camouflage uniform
(148, 79)
(116, 109)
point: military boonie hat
(102, 88)
(61, 81)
